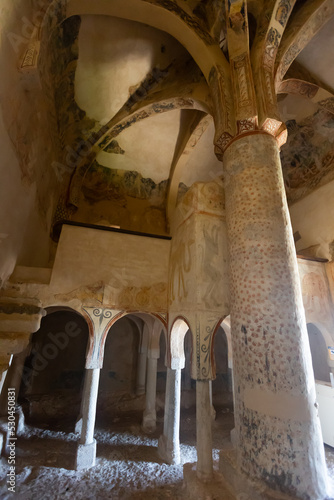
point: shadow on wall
(222, 385)
(319, 353)
(118, 375)
(53, 373)
(118, 387)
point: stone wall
(121, 271)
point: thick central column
(277, 426)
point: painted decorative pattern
(271, 357)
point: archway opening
(319, 353)
(188, 403)
(222, 396)
(117, 386)
(161, 378)
(188, 385)
(122, 397)
(222, 390)
(53, 372)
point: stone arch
(178, 331)
(319, 353)
(212, 354)
(65, 308)
(100, 320)
(55, 364)
(114, 127)
(144, 316)
(220, 348)
(174, 21)
(50, 309)
(151, 339)
(150, 335)
(120, 359)
(226, 326)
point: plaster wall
(24, 154)
(13, 215)
(121, 271)
(317, 299)
(313, 218)
(122, 52)
(330, 276)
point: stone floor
(127, 466)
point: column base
(86, 455)
(240, 485)
(202, 490)
(149, 422)
(140, 391)
(168, 452)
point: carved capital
(246, 127)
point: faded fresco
(101, 182)
(308, 156)
(122, 198)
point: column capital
(245, 127)
(252, 76)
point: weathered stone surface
(274, 386)
(86, 456)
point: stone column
(5, 364)
(169, 442)
(277, 426)
(13, 378)
(150, 414)
(16, 370)
(86, 452)
(141, 373)
(204, 467)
